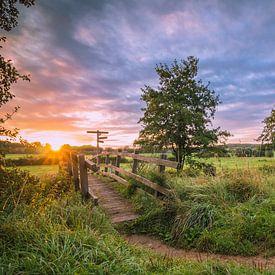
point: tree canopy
(9, 12)
(268, 133)
(179, 111)
(8, 73)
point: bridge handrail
(139, 178)
(157, 161)
(80, 165)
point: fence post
(83, 176)
(118, 159)
(135, 164)
(74, 163)
(162, 167)
(98, 161)
(70, 165)
(107, 160)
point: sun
(56, 144)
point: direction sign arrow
(102, 137)
(95, 132)
(100, 141)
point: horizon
(88, 62)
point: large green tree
(8, 73)
(268, 134)
(179, 111)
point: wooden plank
(95, 132)
(70, 165)
(141, 179)
(119, 218)
(75, 171)
(157, 161)
(93, 197)
(118, 208)
(83, 176)
(135, 165)
(115, 177)
(118, 159)
(107, 160)
(91, 165)
(162, 167)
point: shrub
(16, 187)
(267, 169)
(31, 161)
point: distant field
(228, 162)
(41, 170)
(240, 162)
(20, 156)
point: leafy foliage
(268, 134)
(8, 76)
(232, 213)
(9, 12)
(8, 73)
(179, 111)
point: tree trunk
(180, 158)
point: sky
(89, 59)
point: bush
(16, 187)
(31, 161)
(206, 168)
(267, 169)
(230, 213)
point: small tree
(179, 111)
(8, 73)
(268, 134)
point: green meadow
(41, 170)
(46, 228)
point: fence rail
(79, 167)
(157, 161)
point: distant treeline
(32, 160)
(239, 150)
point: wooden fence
(79, 167)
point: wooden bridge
(86, 176)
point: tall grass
(232, 213)
(50, 230)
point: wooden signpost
(99, 138)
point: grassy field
(227, 162)
(231, 213)
(41, 170)
(46, 228)
(240, 162)
(21, 156)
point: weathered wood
(91, 165)
(75, 171)
(98, 160)
(115, 177)
(143, 180)
(118, 159)
(157, 161)
(70, 165)
(162, 167)
(135, 164)
(119, 209)
(83, 176)
(93, 197)
(107, 160)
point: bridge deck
(118, 208)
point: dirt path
(171, 252)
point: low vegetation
(46, 228)
(231, 213)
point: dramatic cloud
(89, 59)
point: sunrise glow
(87, 70)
